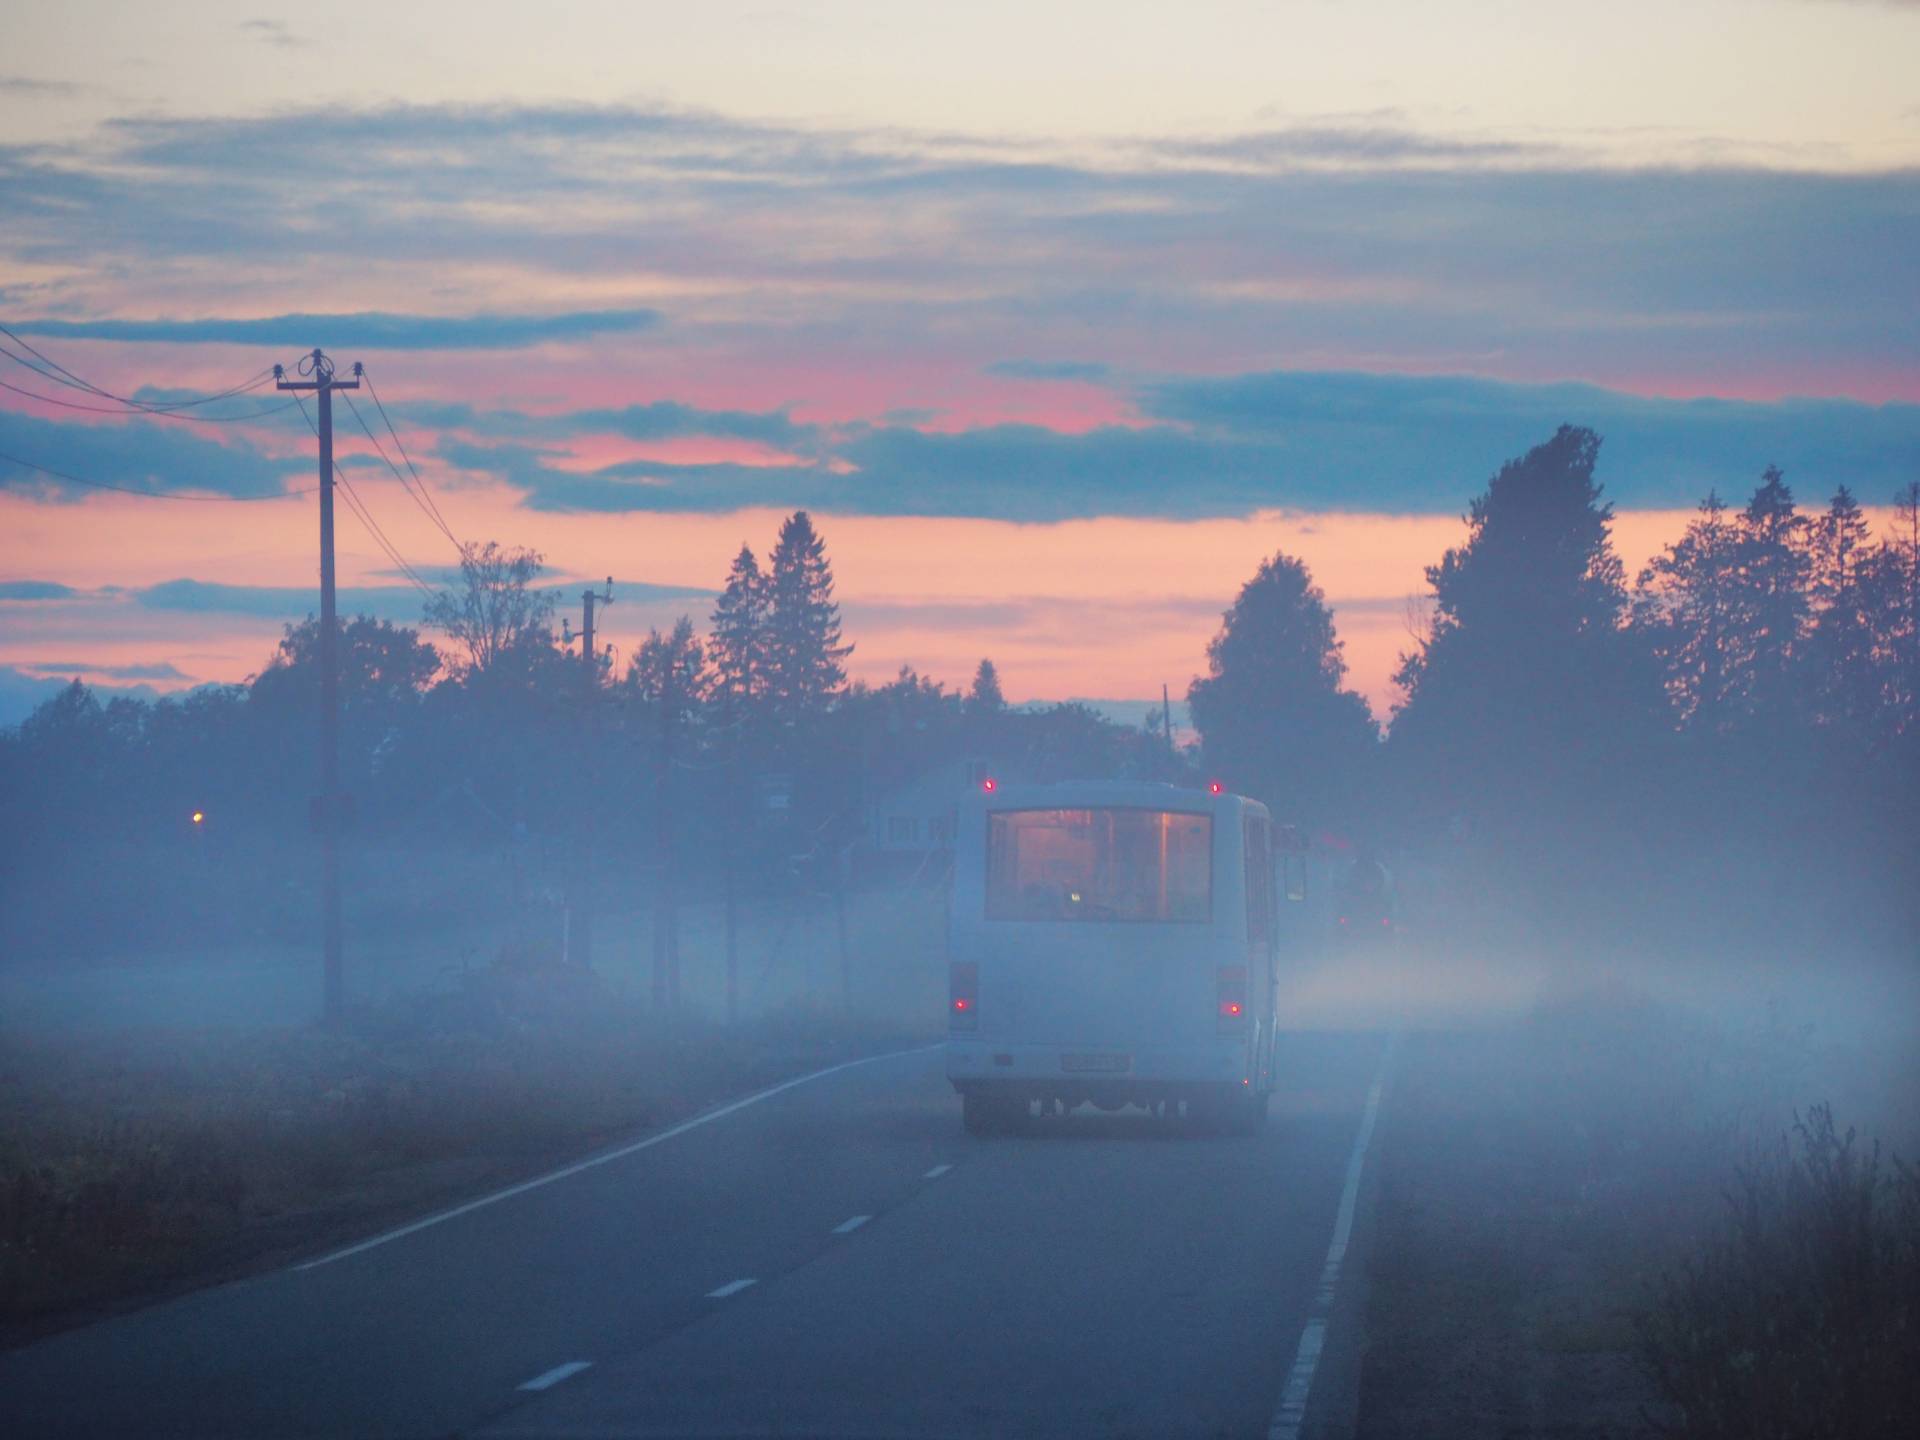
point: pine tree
(1684, 604)
(1773, 566)
(1525, 702)
(670, 680)
(738, 640)
(803, 631)
(1844, 671)
(1896, 609)
(1273, 719)
(985, 695)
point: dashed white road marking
(625, 1150)
(936, 1172)
(556, 1375)
(847, 1227)
(732, 1287)
(1292, 1413)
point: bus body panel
(1109, 1009)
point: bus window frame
(986, 875)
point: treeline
(744, 751)
(1723, 750)
(1720, 748)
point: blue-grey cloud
(1278, 440)
(157, 670)
(1085, 370)
(1419, 251)
(400, 603)
(363, 330)
(659, 420)
(35, 590)
(134, 454)
(1418, 438)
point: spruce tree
(985, 694)
(1844, 672)
(1773, 568)
(1273, 718)
(737, 643)
(804, 650)
(1525, 703)
(1685, 606)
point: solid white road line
(732, 1287)
(847, 1227)
(647, 1144)
(936, 1172)
(1292, 1413)
(556, 1375)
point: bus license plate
(1102, 1064)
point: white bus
(1115, 943)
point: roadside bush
(1801, 1317)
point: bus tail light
(963, 1004)
(1232, 985)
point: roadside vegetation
(1800, 1316)
(136, 1160)
(1588, 1224)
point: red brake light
(989, 785)
(963, 978)
(1214, 787)
(1232, 984)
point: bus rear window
(1099, 865)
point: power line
(398, 445)
(263, 411)
(365, 515)
(60, 375)
(149, 494)
(425, 509)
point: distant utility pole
(329, 805)
(580, 925)
(1166, 724)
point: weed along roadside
(1608, 1218)
(140, 1162)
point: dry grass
(1801, 1316)
(142, 1160)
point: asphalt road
(1108, 1275)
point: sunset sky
(1058, 317)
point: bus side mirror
(1296, 866)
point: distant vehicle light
(989, 785)
(1214, 787)
(199, 817)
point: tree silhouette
(1525, 698)
(1846, 669)
(669, 680)
(1773, 568)
(984, 695)
(804, 648)
(1686, 605)
(1273, 719)
(495, 610)
(737, 641)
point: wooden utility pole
(579, 946)
(329, 806)
(1166, 724)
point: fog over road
(835, 1259)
